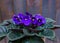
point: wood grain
(6, 9)
(33, 6)
(6, 12)
(40, 6)
(19, 6)
(45, 8)
(57, 31)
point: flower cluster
(28, 19)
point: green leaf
(28, 33)
(40, 28)
(47, 34)
(3, 31)
(33, 39)
(6, 22)
(48, 20)
(29, 39)
(45, 26)
(15, 35)
(9, 20)
(1, 24)
(12, 25)
(48, 25)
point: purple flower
(34, 20)
(20, 16)
(29, 15)
(41, 20)
(26, 21)
(16, 20)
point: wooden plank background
(47, 8)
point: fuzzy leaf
(29, 39)
(3, 31)
(28, 33)
(15, 35)
(47, 34)
(12, 25)
(40, 28)
(45, 26)
(48, 20)
(48, 26)
(3, 23)
(6, 22)
(49, 23)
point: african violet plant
(27, 28)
